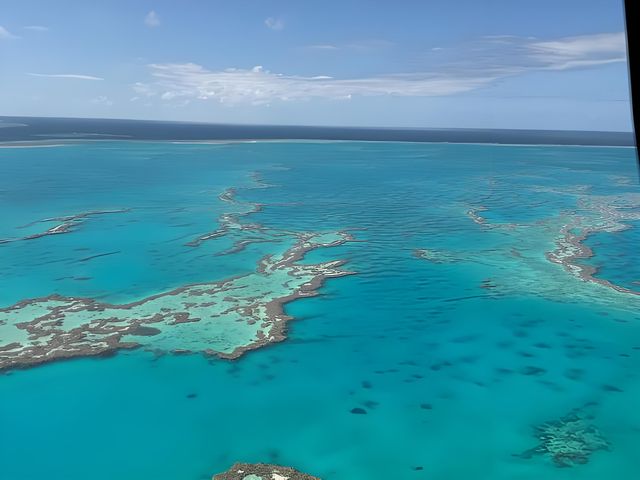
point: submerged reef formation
(546, 248)
(594, 214)
(229, 221)
(436, 256)
(262, 471)
(568, 441)
(473, 214)
(230, 224)
(223, 318)
(602, 214)
(64, 224)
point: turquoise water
(453, 376)
(616, 256)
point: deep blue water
(42, 128)
(453, 376)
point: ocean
(447, 308)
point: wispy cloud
(37, 28)
(65, 75)
(258, 86)
(152, 19)
(583, 51)
(471, 67)
(506, 55)
(6, 34)
(371, 45)
(102, 100)
(325, 46)
(274, 23)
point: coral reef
(593, 214)
(568, 441)
(65, 224)
(602, 214)
(436, 256)
(261, 471)
(222, 318)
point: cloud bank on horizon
(438, 63)
(510, 56)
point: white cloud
(326, 46)
(259, 87)
(142, 90)
(102, 100)
(582, 51)
(363, 46)
(274, 23)
(65, 75)
(36, 28)
(6, 34)
(478, 65)
(152, 19)
(510, 55)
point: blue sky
(557, 64)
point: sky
(544, 64)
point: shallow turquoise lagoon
(456, 337)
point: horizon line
(346, 127)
